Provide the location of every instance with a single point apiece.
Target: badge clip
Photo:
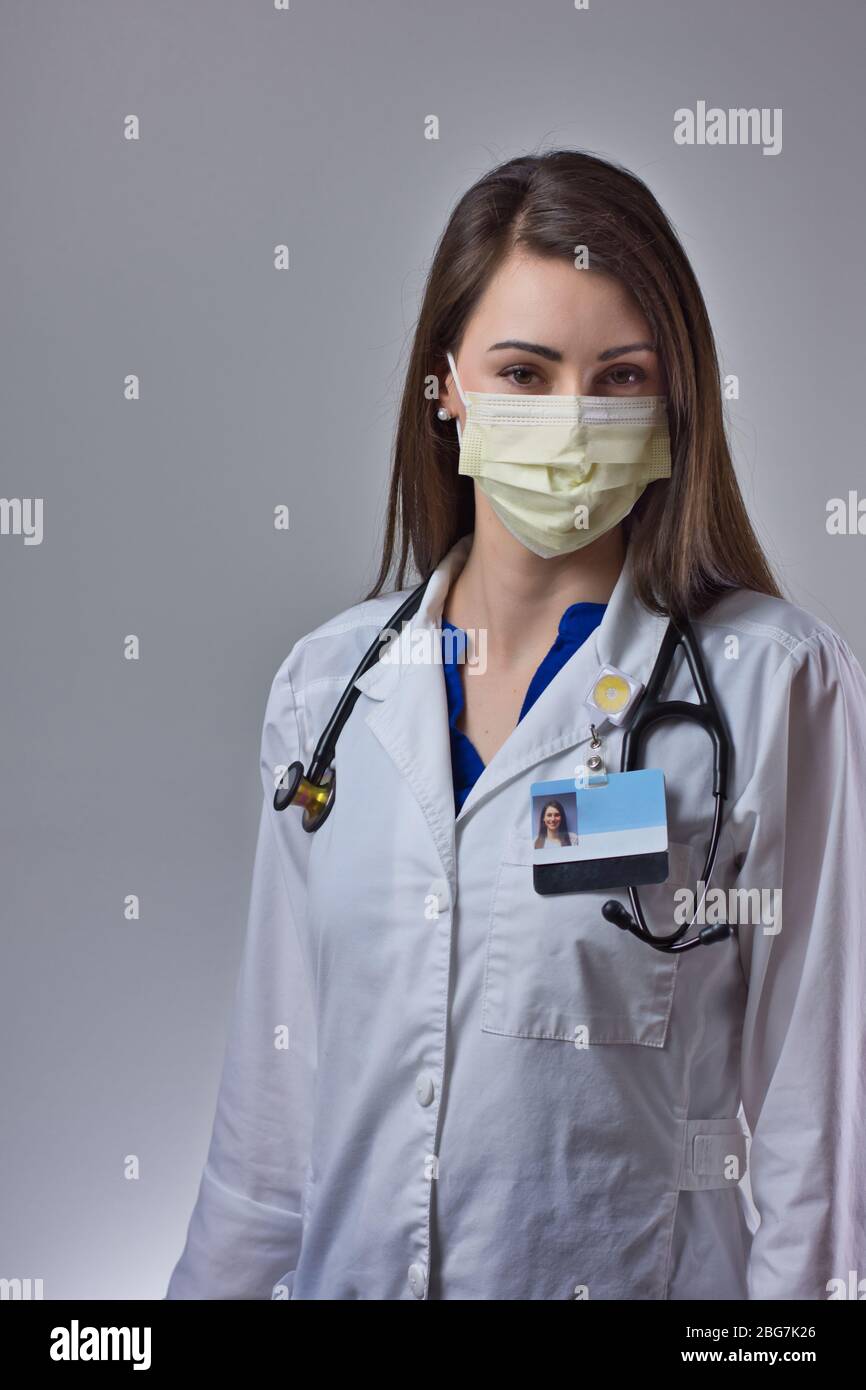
(593, 772)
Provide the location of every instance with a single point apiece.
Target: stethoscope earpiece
(614, 912)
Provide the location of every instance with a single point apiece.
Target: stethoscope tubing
(650, 711)
(326, 746)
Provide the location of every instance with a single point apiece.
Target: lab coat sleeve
(803, 1047)
(245, 1231)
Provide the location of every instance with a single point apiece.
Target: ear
(448, 394)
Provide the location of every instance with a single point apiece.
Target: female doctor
(439, 1082)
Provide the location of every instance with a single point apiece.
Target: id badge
(585, 838)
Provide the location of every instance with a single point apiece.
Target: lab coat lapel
(410, 714)
(628, 637)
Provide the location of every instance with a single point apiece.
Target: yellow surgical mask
(560, 471)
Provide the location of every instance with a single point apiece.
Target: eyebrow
(553, 355)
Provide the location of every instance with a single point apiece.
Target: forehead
(547, 300)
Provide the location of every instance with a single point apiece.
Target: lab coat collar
(380, 681)
(410, 718)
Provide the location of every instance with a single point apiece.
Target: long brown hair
(689, 535)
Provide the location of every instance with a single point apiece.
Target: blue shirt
(575, 625)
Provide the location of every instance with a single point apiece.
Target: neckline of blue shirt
(576, 624)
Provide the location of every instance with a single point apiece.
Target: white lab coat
(432, 1130)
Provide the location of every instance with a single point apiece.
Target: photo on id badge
(614, 833)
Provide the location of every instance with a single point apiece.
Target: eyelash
(620, 367)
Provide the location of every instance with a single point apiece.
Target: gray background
(261, 387)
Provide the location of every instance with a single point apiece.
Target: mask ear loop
(453, 365)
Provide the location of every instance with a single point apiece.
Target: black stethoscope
(316, 789)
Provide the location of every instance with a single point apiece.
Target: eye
(625, 374)
(513, 373)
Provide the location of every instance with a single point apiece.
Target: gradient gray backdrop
(258, 387)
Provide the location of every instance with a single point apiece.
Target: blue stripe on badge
(629, 801)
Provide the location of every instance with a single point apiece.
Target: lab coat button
(436, 899)
(416, 1280)
(424, 1088)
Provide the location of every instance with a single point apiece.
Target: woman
(553, 827)
(439, 1082)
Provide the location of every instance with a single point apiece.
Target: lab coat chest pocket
(555, 968)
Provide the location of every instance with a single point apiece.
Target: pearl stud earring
(443, 414)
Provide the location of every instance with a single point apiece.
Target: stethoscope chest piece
(316, 798)
(315, 789)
